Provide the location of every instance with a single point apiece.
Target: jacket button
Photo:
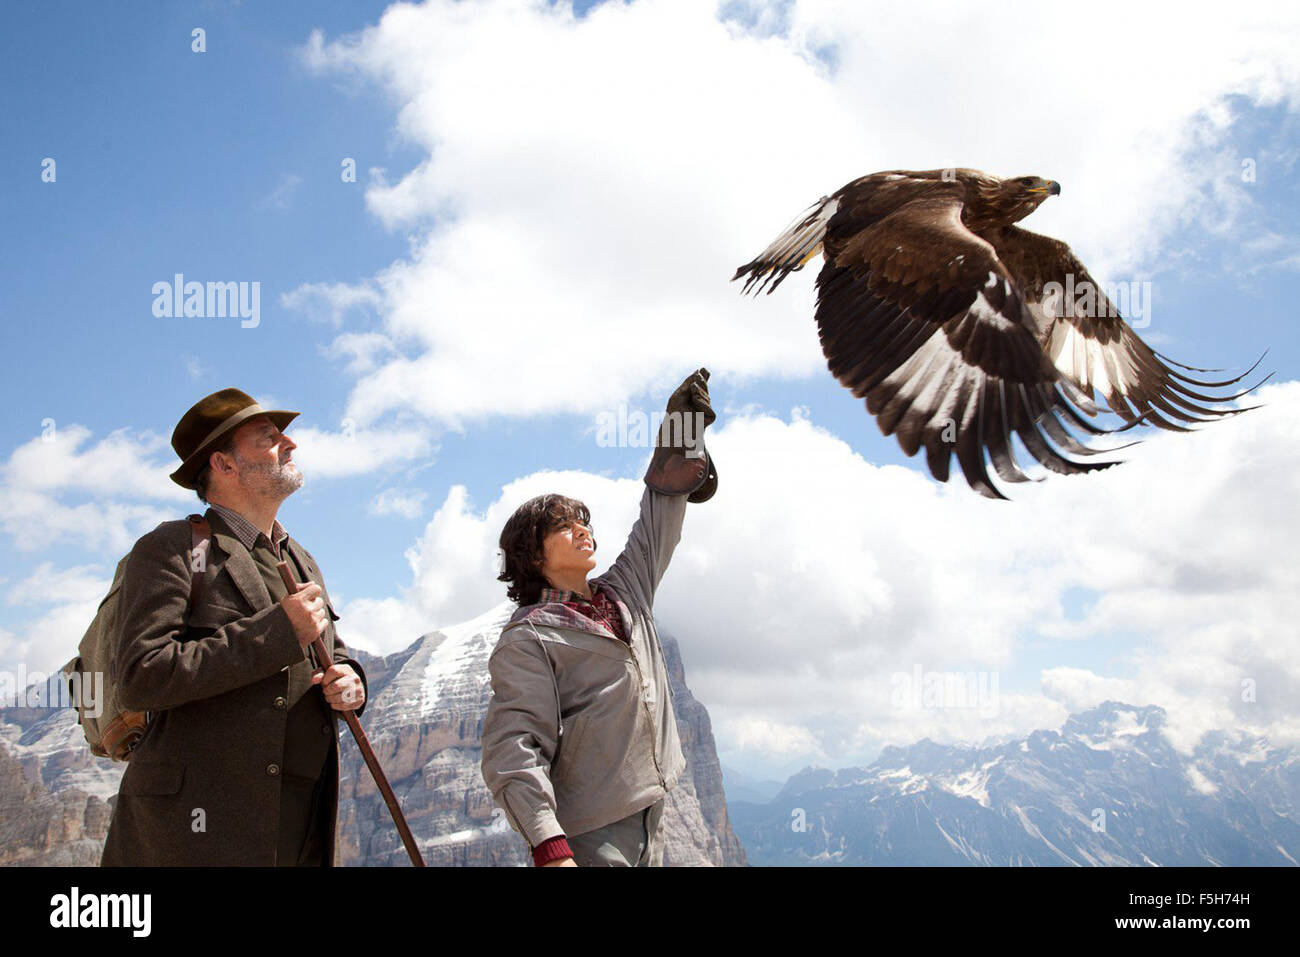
(279, 704)
(324, 729)
(273, 769)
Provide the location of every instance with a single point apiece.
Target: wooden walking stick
(363, 743)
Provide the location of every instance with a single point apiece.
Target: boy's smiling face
(567, 551)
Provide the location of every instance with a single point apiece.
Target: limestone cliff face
(425, 721)
(698, 828)
(54, 794)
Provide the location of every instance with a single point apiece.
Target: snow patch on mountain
(461, 649)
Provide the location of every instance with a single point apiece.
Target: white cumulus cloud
(598, 179)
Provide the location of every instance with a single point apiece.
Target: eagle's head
(1024, 194)
(1001, 202)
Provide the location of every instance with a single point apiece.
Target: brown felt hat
(210, 420)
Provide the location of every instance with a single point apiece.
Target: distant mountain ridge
(742, 787)
(1107, 789)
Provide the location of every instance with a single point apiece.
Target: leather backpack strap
(200, 540)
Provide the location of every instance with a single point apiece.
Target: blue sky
(225, 165)
(167, 162)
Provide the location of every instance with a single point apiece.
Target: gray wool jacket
(580, 731)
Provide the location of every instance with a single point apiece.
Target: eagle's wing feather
(797, 244)
(1100, 351)
(917, 315)
(874, 195)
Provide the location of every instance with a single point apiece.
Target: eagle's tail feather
(800, 242)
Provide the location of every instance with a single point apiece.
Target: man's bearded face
(279, 478)
(264, 456)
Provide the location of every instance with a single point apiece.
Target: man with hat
(238, 764)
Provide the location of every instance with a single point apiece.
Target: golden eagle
(960, 329)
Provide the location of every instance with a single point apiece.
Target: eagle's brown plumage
(931, 305)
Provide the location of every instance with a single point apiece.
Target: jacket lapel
(243, 572)
(301, 563)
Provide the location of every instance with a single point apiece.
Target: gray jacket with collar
(580, 730)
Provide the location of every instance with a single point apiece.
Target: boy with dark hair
(580, 743)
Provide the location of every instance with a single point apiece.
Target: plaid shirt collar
(247, 532)
(601, 607)
(561, 595)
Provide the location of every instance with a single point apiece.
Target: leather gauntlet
(681, 465)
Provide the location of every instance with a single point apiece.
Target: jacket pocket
(153, 777)
(570, 742)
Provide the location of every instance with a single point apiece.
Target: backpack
(110, 731)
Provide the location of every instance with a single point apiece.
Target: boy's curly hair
(521, 543)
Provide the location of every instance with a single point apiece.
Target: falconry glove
(681, 465)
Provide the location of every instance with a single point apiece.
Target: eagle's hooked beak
(1050, 186)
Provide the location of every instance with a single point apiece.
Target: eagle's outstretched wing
(952, 331)
(1091, 345)
(918, 316)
